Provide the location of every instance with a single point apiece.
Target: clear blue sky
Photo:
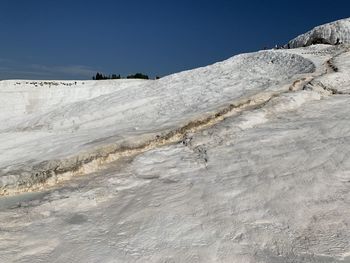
(61, 39)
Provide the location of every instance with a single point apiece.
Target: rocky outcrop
(334, 33)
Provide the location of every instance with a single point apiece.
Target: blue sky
(48, 39)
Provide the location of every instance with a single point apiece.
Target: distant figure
(338, 42)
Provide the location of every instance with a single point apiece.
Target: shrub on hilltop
(137, 76)
(100, 76)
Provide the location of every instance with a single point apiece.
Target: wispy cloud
(72, 70)
(13, 70)
(6, 60)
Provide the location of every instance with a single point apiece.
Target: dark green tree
(138, 76)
